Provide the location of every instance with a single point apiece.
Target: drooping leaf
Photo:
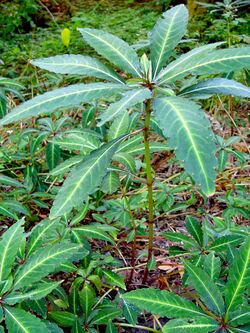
(78, 64)
(87, 299)
(39, 291)
(207, 289)
(61, 98)
(130, 312)
(44, 261)
(84, 179)
(238, 278)
(8, 181)
(217, 86)
(9, 246)
(53, 153)
(162, 303)
(20, 321)
(129, 99)
(194, 228)
(215, 61)
(166, 34)
(240, 316)
(114, 49)
(197, 325)
(189, 134)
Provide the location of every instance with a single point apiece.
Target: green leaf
(111, 182)
(62, 98)
(130, 312)
(44, 261)
(120, 126)
(179, 237)
(129, 99)
(207, 289)
(43, 231)
(212, 265)
(196, 325)
(39, 291)
(163, 303)
(92, 231)
(63, 318)
(243, 329)
(190, 135)
(6, 211)
(104, 315)
(20, 321)
(53, 153)
(77, 328)
(84, 179)
(3, 106)
(217, 86)
(9, 246)
(77, 141)
(114, 49)
(238, 278)
(114, 279)
(5, 180)
(78, 64)
(127, 160)
(194, 228)
(63, 167)
(215, 61)
(111, 328)
(87, 299)
(240, 316)
(166, 34)
(222, 243)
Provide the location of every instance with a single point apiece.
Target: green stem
(149, 186)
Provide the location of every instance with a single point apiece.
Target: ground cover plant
(85, 165)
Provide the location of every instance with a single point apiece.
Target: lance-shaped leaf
(187, 241)
(63, 167)
(44, 261)
(197, 325)
(84, 179)
(20, 321)
(194, 228)
(240, 316)
(77, 141)
(162, 303)
(238, 278)
(216, 61)
(41, 290)
(189, 134)
(53, 154)
(9, 246)
(130, 99)
(62, 98)
(111, 182)
(78, 64)
(207, 289)
(166, 34)
(114, 49)
(5, 180)
(41, 233)
(120, 126)
(114, 279)
(87, 299)
(217, 86)
(224, 242)
(212, 265)
(91, 231)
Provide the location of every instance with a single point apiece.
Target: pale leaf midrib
(200, 65)
(18, 323)
(216, 86)
(42, 261)
(116, 50)
(97, 69)
(165, 41)
(191, 140)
